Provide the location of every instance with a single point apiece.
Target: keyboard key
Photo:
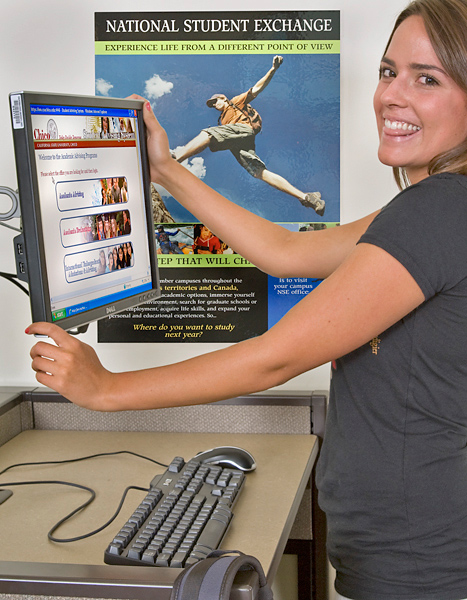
(115, 548)
(178, 560)
(163, 559)
(212, 534)
(149, 556)
(176, 465)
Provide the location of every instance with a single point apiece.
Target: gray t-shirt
(392, 475)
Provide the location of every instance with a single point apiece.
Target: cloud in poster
(103, 87)
(194, 165)
(156, 87)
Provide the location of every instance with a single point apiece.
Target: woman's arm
(270, 247)
(351, 307)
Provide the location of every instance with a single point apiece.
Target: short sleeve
(425, 229)
(243, 99)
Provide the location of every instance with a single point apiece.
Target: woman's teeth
(403, 126)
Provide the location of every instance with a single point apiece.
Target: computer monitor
(88, 229)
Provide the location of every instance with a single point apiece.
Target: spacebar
(211, 535)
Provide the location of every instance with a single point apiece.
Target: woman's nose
(395, 93)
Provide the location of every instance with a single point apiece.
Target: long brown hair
(446, 25)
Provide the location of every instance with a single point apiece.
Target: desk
(264, 513)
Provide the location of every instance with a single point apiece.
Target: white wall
(49, 46)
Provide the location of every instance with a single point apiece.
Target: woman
(107, 232)
(105, 128)
(100, 227)
(113, 226)
(115, 255)
(390, 314)
(206, 242)
(102, 265)
(110, 265)
(121, 264)
(130, 253)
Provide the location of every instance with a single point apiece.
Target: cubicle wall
(291, 413)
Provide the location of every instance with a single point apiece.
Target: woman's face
(420, 111)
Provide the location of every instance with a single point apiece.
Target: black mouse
(228, 456)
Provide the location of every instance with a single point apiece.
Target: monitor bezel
(34, 251)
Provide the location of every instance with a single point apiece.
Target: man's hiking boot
(313, 200)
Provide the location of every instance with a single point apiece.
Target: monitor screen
(86, 205)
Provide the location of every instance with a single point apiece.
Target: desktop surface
(263, 517)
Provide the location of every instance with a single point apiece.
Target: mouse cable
(73, 460)
(92, 497)
(90, 490)
(52, 538)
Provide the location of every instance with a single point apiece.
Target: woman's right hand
(70, 367)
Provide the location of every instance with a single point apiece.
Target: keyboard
(183, 517)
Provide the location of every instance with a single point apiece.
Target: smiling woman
(414, 90)
(390, 314)
(429, 75)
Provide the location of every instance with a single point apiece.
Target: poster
(182, 62)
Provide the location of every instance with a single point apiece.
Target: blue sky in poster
(299, 108)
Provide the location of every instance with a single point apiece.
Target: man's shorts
(240, 140)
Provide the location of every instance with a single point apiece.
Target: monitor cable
(14, 211)
(14, 279)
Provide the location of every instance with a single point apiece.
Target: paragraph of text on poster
(217, 305)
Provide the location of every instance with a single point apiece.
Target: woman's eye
(428, 80)
(385, 72)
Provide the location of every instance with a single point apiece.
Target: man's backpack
(253, 116)
(212, 577)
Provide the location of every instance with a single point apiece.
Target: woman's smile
(399, 127)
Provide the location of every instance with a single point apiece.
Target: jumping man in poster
(238, 125)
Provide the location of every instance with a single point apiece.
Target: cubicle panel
(271, 412)
(212, 418)
(15, 415)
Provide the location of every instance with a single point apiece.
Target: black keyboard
(181, 520)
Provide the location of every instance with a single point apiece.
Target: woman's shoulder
(436, 203)
(437, 195)
(423, 227)
(441, 182)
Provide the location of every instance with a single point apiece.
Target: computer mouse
(228, 456)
